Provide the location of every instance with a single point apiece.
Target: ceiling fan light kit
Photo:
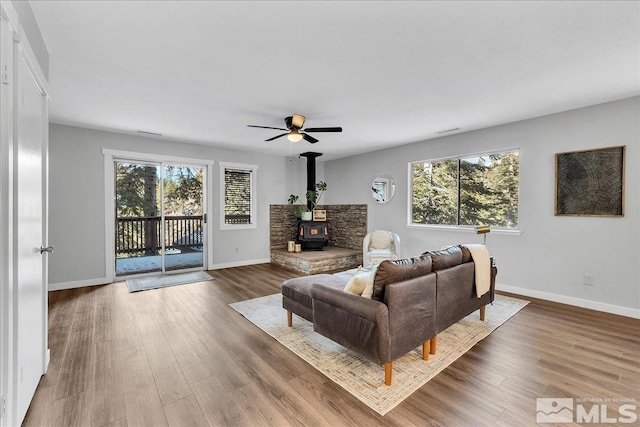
(294, 124)
(294, 136)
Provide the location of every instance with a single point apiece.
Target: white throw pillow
(380, 240)
(361, 284)
(356, 284)
(368, 290)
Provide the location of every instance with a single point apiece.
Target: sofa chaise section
(386, 329)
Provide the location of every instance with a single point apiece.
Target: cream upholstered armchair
(378, 246)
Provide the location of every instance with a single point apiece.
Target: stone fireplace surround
(347, 227)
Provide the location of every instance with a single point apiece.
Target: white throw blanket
(480, 256)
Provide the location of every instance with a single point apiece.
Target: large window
(469, 191)
(238, 198)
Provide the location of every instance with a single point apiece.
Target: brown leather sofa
(413, 300)
(400, 316)
(456, 291)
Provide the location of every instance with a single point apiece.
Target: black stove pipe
(311, 171)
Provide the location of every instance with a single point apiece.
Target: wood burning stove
(313, 235)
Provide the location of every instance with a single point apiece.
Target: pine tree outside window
(238, 196)
(466, 191)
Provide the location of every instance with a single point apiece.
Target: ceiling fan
(294, 127)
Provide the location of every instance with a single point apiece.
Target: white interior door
(29, 313)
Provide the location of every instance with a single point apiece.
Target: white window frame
(254, 196)
(447, 227)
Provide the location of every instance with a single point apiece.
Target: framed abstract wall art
(590, 182)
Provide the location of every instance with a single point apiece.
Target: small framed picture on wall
(319, 215)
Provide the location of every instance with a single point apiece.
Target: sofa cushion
(397, 271)
(445, 258)
(466, 254)
(298, 289)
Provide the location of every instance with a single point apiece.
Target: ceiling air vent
(447, 131)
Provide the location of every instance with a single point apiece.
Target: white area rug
(154, 282)
(356, 374)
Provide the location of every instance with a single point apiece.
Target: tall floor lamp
(483, 229)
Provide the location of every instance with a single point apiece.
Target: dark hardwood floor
(181, 356)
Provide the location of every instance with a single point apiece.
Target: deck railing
(140, 236)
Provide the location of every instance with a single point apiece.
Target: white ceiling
(389, 73)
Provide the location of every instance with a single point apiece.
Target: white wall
(77, 200)
(550, 256)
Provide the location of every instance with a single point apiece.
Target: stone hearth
(347, 227)
(313, 262)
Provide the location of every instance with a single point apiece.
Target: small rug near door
(154, 282)
(359, 376)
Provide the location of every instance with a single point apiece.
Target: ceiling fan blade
(309, 138)
(264, 127)
(275, 137)
(333, 129)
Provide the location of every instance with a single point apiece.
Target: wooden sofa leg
(482, 312)
(388, 370)
(434, 344)
(426, 348)
(289, 318)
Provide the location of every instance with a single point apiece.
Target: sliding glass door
(159, 217)
(183, 217)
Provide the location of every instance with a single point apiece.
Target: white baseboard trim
(104, 280)
(239, 263)
(578, 302)
(78, 284)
